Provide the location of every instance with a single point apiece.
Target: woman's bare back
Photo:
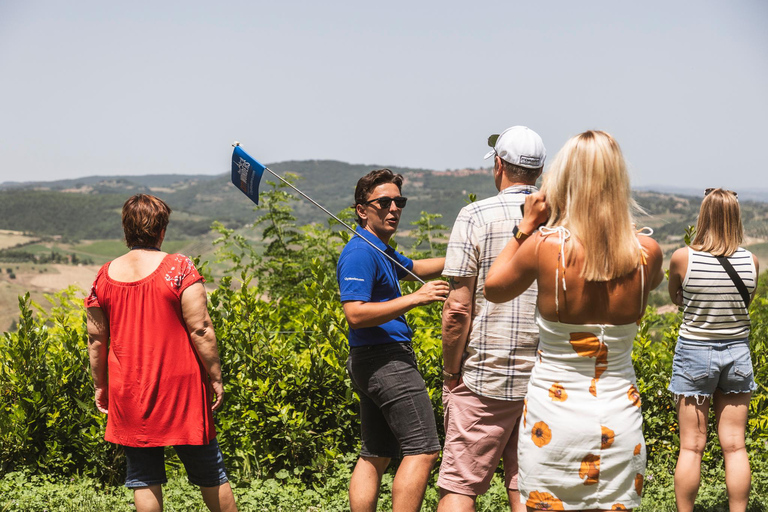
(616, 302)
(135, 265)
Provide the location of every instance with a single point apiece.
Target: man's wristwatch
(519, 235)
(450, 376)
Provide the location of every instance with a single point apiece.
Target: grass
(35, 493)
(111, 249)
(107, 248)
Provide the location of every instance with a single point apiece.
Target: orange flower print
(639, 484)
(587, 344)
(618, 506)
(525, 412)
(634, 396)
(557, 393)
(637, 449)
(543, 501)
(607, 437)
(590, 469)
(541, 434)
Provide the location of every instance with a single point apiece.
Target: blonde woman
(712, 362)
(581, 444)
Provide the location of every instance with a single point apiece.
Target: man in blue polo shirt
(395, 411)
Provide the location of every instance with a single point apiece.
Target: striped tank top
(712, 306)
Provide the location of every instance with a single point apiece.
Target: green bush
(48, 421)
(289, 424)
(652, 357)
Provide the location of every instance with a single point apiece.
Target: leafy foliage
(289, 429)
(430, 233)
(652, 358)
(48, 422)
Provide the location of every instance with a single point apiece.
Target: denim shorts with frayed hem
(204, 465)
(701, 367)
(395, 411)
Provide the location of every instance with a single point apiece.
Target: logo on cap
(530, 160)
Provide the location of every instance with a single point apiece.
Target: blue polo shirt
(366, 275)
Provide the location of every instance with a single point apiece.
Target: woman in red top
(154, 361)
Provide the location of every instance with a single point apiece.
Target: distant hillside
(750, 194)
(89, 208)
(148, 180)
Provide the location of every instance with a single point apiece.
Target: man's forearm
(456, 322)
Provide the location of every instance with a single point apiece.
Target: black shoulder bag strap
(735, 278)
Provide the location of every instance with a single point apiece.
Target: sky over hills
(104, 88)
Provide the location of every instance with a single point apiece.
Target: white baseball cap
(518, 145)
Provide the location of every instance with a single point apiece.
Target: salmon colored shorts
(479, 432)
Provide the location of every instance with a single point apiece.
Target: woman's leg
(145, 474)
(219, 498)
(692, 415)
(148, 499)
(731, 415)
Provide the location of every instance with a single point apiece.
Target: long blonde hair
(588, 192)
(718, 229)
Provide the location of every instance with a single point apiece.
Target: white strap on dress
(563, 235)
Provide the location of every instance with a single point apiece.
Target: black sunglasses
(710, 190)
(386, 202)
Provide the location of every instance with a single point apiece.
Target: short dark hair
(516, 171)
(144, 219)
(370, 181)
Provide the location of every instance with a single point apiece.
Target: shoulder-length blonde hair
(719, 230)
(587, 190)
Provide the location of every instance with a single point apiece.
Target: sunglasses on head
(386, 202)
(710, 190)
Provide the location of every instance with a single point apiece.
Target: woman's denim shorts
(204, 465)
(701, 367)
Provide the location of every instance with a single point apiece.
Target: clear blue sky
(144, 87)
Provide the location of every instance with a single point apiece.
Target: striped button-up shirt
(501, 347)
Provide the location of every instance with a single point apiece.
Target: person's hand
(536, 212)
(102, 400)
(432, 291)
(450, 384)
(218, 389)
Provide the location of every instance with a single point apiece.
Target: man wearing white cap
(488, 349)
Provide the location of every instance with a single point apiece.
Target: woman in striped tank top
(712, 362)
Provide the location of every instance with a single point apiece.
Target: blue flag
(246, 173)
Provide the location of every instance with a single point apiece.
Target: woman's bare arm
(194, 308)
(98, 341)
(516, 267)
(677, 268)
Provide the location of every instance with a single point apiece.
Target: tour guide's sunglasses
(386, 202)
(710, 190)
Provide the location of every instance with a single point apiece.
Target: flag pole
(352, 230)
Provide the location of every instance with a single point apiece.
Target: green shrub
(289, 423)
(48, 421)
